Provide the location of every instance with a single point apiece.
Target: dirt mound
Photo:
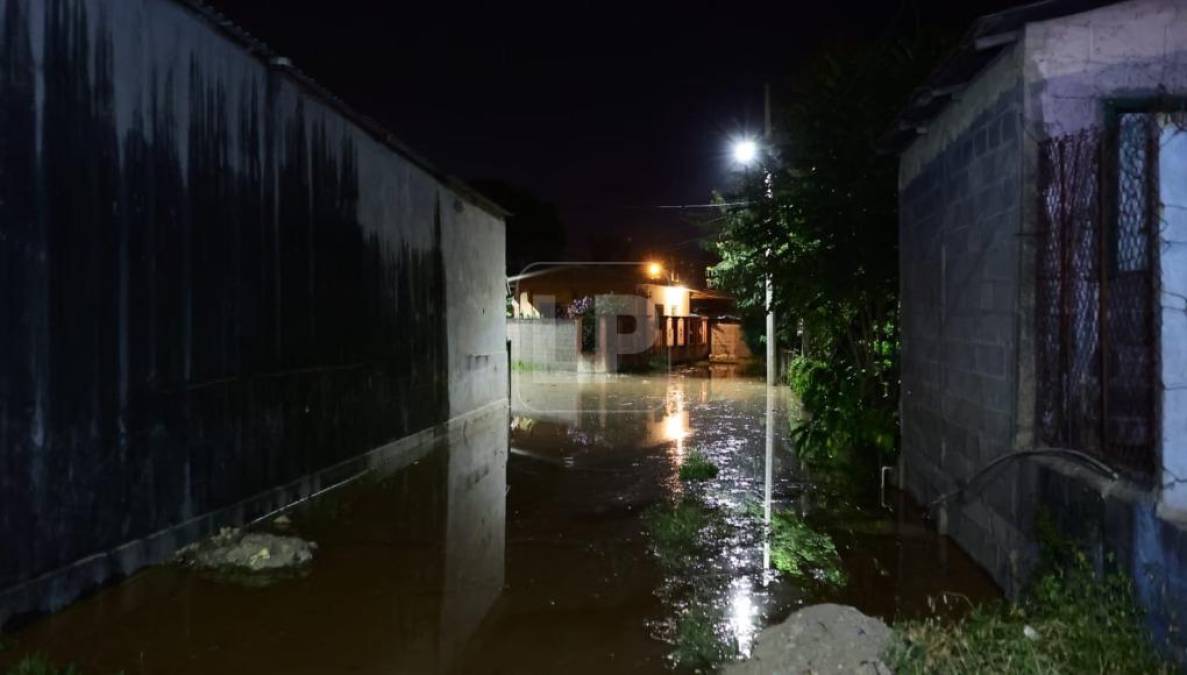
(820, 639)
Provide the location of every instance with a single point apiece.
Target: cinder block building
(1043, 244)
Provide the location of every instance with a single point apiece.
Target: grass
(39, 665)
(800, 551)
(675, 529)
(797, 549)
(699, 645)
(697, 466)
(1070, 621)
(523, 367)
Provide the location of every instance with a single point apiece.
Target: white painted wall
(473, 244)
(1172, 167)
(1074, 63)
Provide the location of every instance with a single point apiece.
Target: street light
(745, 151)
(654, 270)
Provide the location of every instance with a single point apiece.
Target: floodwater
(535, 550)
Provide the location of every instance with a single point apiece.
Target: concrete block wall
(969, 211)
(959, 223)
(1134, 52)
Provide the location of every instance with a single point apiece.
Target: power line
(701, 206)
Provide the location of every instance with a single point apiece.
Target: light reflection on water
(468, 559)
(743, 617)
(743, 427)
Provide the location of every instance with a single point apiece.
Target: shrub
(841, 412)
(800, 551)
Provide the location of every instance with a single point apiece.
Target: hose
(1062, 452)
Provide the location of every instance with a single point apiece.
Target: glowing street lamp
(654, 270)
(745, 151)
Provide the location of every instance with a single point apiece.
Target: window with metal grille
(1095, 296)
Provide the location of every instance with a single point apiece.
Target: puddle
(575, 548)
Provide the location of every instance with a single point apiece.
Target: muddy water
(536, 551)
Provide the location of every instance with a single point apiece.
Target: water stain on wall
(190, 312)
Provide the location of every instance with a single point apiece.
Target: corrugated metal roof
(270, 59)
(987, 36)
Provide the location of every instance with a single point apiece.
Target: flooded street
(570, 544)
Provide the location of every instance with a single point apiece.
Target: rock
(283, 522)
(820, 639)
(232, 550)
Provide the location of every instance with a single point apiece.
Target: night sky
(606, 110)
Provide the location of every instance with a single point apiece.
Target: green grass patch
(39, 665)
(697, 466)
(675, 529)
(523, 367)
(1070, 621)
(699, 644)
(800, 551)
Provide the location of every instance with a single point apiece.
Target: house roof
(710, 294)
(271, 59)
(987, 36)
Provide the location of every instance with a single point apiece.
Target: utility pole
(772, 353)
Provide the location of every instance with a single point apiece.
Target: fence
(1095, 296)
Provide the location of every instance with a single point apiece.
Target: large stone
(820, 639)
(231, 549)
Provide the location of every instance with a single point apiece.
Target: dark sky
(606, 110)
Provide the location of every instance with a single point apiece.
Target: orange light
(654, 270)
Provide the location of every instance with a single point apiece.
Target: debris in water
(231, 550)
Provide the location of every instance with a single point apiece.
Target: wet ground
(556, 547)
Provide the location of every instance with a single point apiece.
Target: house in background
(1043, 244)
(727, 340)
(541, 292)
(632, 314)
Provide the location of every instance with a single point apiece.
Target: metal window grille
(1095, 319)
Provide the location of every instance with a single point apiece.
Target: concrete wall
(727, 342)
(1172, 258)
(960, 410)
(1134, 51)
(1074, 64)
(543, 344)
(1075, 67)
(674, 299)
(960, 215)
(218, 290)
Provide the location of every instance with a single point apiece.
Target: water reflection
(838, 541)
(744, 615)
(410, 564)
(470, 559)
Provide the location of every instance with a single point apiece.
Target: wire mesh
(1094, 296)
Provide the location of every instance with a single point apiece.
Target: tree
(827, 233)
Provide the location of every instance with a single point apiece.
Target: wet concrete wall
(213, 282)
(960, 213)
